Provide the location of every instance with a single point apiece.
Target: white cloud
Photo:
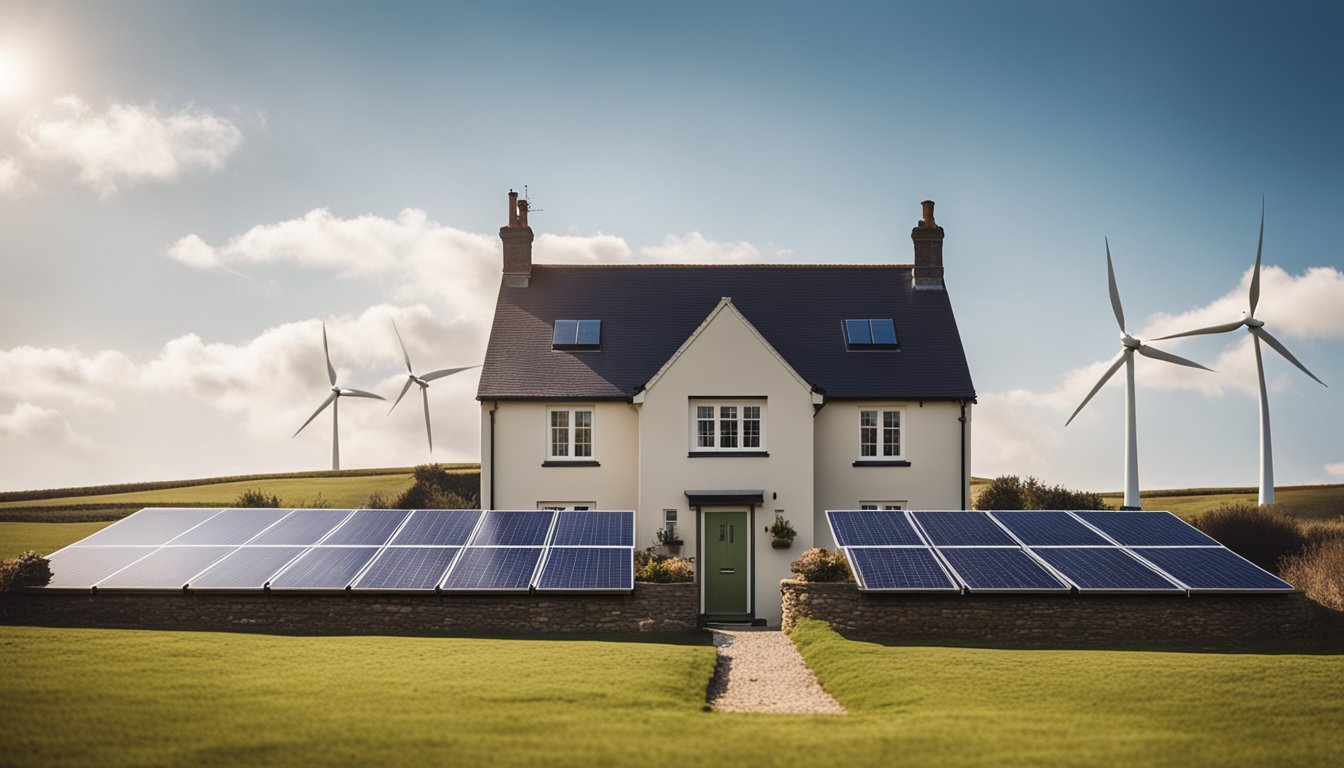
(1335, 470)
(13, 182)
(695, 248)
(579, 249)
(30, 372)
(127, 144)
(34, 426)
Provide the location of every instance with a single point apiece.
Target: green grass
(1310, 502)
(42, 538)
(340, 492)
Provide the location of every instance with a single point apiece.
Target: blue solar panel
(368, 527)
(999, 569)
(493, 568)
(899, 568)
(1047, 529)
(514, 529)
(325, 568)
(166, 568)
(246, 568)
(438, 527)
(302, 527)
(232, 526)
(150, 527)
(594, 529)
(872, 528)
(588, 568)
(1206, 568)
(82, 567)
(962, 529)
(408, 568)
(1147, 529)
(1104, 569)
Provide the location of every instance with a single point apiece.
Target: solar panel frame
(302, 528)
(367, 528)
(83, 567)
(472, 572)
(861, 558)
(166, 568)
(962, 529)
(862, 528)
(1145, 529)
(407, 569)
(1078, 565)
(961, 562)
(615, 569)
(264, 561)
(594, 528)
(235, 526)
(438, 528)
(1169, 560)
(149, 527)
(514, 528)
(1049, 528)
(324, 569)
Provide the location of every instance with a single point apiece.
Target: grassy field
(1310, 502)
(340, 492)
(42, 538)
(122, 697)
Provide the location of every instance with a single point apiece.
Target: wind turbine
(1258, 334)
(1129, 345)
(423, 381)
(334, 401)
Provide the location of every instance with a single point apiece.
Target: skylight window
(871, 333)
(577, 334)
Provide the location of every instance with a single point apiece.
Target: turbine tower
(1129, 345)
(334, 401)
(1258, 334)
(423, 381)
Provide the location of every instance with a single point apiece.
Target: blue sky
(187, 190)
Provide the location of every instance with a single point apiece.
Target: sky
(189, 190)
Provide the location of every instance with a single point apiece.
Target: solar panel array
(1049, 551)
(359, 550)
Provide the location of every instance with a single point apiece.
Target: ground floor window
(566, 506)
(887, 505)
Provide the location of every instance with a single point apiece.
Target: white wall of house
(930, 440)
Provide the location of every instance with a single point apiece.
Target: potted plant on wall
(669, 542)
(783, 534)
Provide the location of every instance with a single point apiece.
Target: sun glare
(13, 74)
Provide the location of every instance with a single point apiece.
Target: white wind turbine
(1129, 345)
(1258, 334)
(334, 401)
(423, 381)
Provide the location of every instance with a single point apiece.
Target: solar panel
(1049, 529)
(1213, 569)
(150, 527)
(999, 569)
(82, 567)
(408, 568)
(1148, 529)
(302, 527)
(165, 568)
(526, 528)
(367, 527)
(232, 526)
(246, 568)
(899, 569)
(962, 529)
(872, 528)
(493, 568)
(1104, 569)
(594, 529)
(324, 568)
(438, 527)
(588, 569)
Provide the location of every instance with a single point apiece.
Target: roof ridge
(723, 266)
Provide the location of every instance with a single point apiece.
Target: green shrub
(27, 570)
(255, 497)
(1012, 492)
(438, 487)
(1319, 571)
(1263, 535)
(818, 564)
(379, 500)
(663, 569)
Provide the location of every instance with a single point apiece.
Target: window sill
(728, 454)
(563, 463)
(881, 463)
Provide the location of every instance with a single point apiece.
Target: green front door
(726, 564)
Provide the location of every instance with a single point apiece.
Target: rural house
(713, 400)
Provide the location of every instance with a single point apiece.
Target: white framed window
(885, 505)
(569, 433)
(727, 426)
(566, 506)
(880, 437)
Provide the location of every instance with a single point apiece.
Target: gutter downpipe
(494, 407)
(963, 481)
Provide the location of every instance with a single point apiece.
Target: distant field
(42, 538)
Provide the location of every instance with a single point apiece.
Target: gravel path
(761, 671)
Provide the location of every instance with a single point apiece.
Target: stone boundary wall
(651, 608)
(1047, 619)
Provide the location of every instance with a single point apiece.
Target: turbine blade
(404, 353)
(1255, 278)
(320, 409)
(331, 372)
(1105, 377)
(409, 382)
(1282, 350)
(446, 372)
(1115, 292)
(360, 393)
(429, 433)
(1167, 357)
(1224, 328)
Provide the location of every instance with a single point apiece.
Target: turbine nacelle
(1129, 342)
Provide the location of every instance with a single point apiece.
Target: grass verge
(42, 538)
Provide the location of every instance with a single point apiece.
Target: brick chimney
(928, 237)
(517, 237)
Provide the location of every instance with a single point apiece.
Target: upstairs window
(577, 334)
(879, 435)
(727, 426)
(570, 434)
(871, 333)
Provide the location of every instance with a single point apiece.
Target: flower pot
(782, 543)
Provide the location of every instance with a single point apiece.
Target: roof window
(871, 333)
(577, 334)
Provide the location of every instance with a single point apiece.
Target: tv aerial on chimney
(530, 209)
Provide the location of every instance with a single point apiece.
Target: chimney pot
(513, 208)
(928, 221)
(928, 239)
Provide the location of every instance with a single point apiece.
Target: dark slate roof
(648, 312)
